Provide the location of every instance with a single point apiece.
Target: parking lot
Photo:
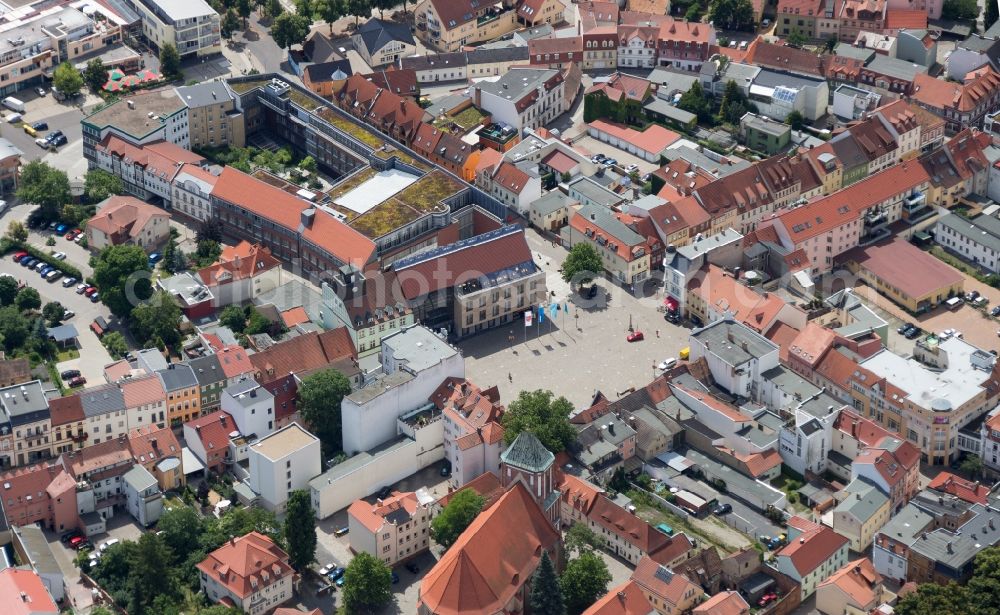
(93, 355)
(580, 353)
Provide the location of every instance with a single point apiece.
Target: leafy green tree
(45, 186)
(234, 317)
(330, 11)
(733, 14)
(300, 529)
(546, 592)
(973, 466)
(991, 15)
(305, 7)
(320, 395)
(619, 481)
(582, 264)
(210, 230)
(830, 44)
(581, 538)
(28, 299)
(17, 232)
(461, 510)
(274, 8)
(960, 9)
(170, 61)
(115, 343)
(544, 416)
(170, 261)
(693, 12)
(308, 164)
(795, 120)
(8, 290)
(13, 328)
(983, 589)
(121, 274)
(934, 599)
(359, 9)
(796, 39)
(367, 584)
(151, 574)
(734, 104)
(258, 323)
(290, 29)
(230, 24)
(382, 6)
(694, 101)
(73, 215)
(159, 318)
(244, 8)
(585, 579)
(98, 185)
(67, 79)
(53, 312)
(95, 75)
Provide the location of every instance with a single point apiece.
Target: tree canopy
(45, 186)
(795, 119)
(960, 9)
(98, 185)
(67, 79)
(320, 395)
(17, 232)
(734, 104)
(8, 290)
(157, 321)
(95, 75)
(582, 264)
(579, 538)
(733, 14)
(546, 592)
(121, 274)
(461, 510)
(979, 596)
(170, 61)
(367, 584)
(694, 101)
(585, 579)
(543, 415)
(300, 529)
(290, 29)
(28, 299)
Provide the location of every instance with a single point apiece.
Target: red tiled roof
(715, 404)
(239, 262)
(654, 139)
(560, 161)
(800, 7)
(97, 457)
(814, 546)
(295, 316)
(909, 269)
(213, 430)
(65, 410)
(966, 149)
(160, 158)
(627, 526)
(234, 361)
(721, 291)
(399, 81)
(626, 599)
(489, 564)
(124, 216)
(578, 493)
(759, 463)
(284, 209)
(971, 492)
(23, 593)
(486, 484)
(783, 335)
(151, 444)
(962, 97)
(302, 354)
(511, 178)
(373, 516)
(723, 603)
(859, 582)
(884, 463)
(246, 563)
(786, 58)
(812, 343)
(864, 430)
(649, 575)
(463, 264)
(142, 391)
(554, 45)
(905, 19)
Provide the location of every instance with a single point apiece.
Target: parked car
(412, 567)
(59, 256)
(62, 228)
(340, 531)
(82, 288)
(722, 509)
(86, 545)
(336, 573)
(53, 275)
(59, 141)
(43, 143)
(325, 570)
(90, 291)
(339, 582)
(79, 381)
(65, 538)
(19, 255)
(395, 577)
(635, 336)
(155, 258)
(95, 298)
(68, 282)
(609, 162)
(632, 168)
(995, 311)
(44, 271)
(79, 237)
(70, 236)
(109, 543)
(74, 541)
(41, 125)
(68, 314)
(667, 364)
(767, 599)
(40, 91)
(54, 134)
(913, 332)
(53, 225)
(40, 265)
(29, 261)
(972, 295)
(904, 328)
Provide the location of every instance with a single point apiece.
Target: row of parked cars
(51, 274)
(607, 162)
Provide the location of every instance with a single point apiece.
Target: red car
(90, 290)
(635, 336)
(76, 540)
(70, 235)
(79, 381)
(767, 599)
(19, 255)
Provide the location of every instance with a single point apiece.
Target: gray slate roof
(551, 202)
(207, 370)
(377, 33)
(102, 400)
(204, 94)
(24, 403)
(139, 478)
(528, 453)
(605, 220)
(177, 376)
(983, 230)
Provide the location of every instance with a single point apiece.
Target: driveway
(750, 521)
(581, 353)
(593, 146)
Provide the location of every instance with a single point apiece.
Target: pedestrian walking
(510, 377)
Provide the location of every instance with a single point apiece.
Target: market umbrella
(112, 86)
(130, 81)
(115, 74)
(146, 75)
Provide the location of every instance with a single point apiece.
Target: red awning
(671, 303)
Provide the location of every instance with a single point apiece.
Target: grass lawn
(66, 355)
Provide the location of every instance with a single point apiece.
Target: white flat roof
(959, 383)
(375, 190)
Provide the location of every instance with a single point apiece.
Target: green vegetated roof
(242, 87)
(384, 218)
(426, 193)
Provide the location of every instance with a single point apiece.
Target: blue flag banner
(566, 307)
(541, 314)
(553, 310)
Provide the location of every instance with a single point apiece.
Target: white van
(14, 118)
(13, 104)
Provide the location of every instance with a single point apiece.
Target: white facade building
(523, 98)
(976, 240)
(251, 406)
(283, 462)
(736, 355)
(191, 192)
(394, 529)
(190, 25)
(142, 496)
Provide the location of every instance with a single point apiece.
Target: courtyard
(580, 353)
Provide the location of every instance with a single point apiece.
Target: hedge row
(66, 268)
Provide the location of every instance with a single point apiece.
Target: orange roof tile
(65, 410)
(720, 291)
(143, 391)
(723, 603)
(783, 335)
(578, 493)
(98, 456)
(23, 593)
(243, 564)
(488, 564)
(295, 316)
(124, 217)
(971, 492)
(658, 580)
(626, 599)
(910, 270)
(150, 444)
(654, 139)
(239, 262)
(373, 516)
(815, 545)
(859, 582)
(486, 484)
(962, 97)
(213, 430)
(715, 404)
(906, 19)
